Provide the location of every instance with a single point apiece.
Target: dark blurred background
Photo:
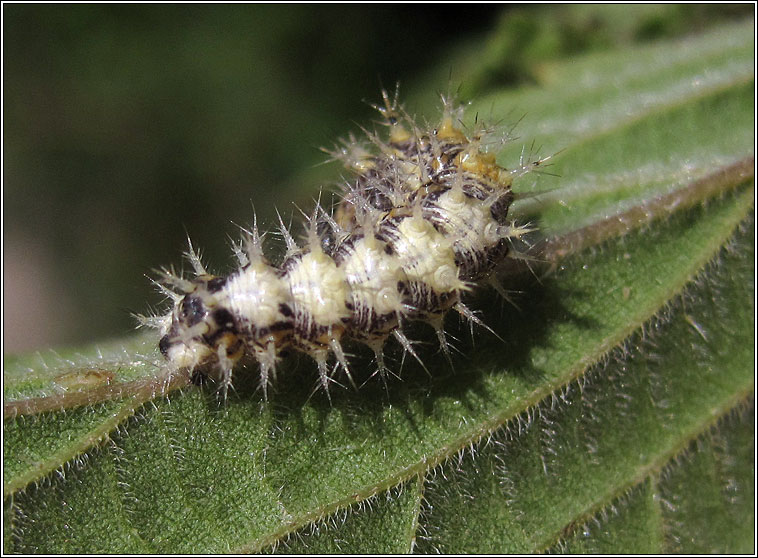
(127, 127)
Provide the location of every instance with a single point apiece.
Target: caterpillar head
(199, 328)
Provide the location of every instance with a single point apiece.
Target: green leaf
(625, 378)
(384, 525)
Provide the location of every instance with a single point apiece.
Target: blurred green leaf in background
(617, 415)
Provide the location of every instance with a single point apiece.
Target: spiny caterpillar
(422, 222)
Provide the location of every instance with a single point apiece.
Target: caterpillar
(421, 222)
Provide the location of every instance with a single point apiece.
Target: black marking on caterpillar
(423, 221)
